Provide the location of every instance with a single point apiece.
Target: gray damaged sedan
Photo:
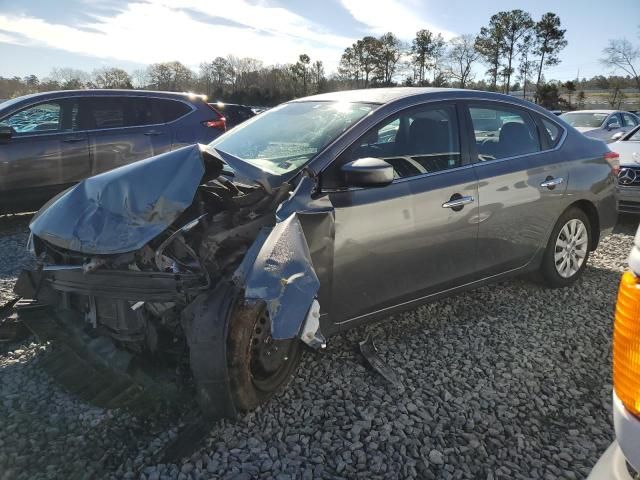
(208, 269)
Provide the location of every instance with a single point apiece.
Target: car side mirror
(613, 125)
(368, 172)
(6, 132)
(617, 136)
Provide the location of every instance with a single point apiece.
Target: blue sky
(38, 35)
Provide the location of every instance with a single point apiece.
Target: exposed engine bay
(141, 307)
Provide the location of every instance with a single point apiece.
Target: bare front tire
(568, 249)
(258, 364)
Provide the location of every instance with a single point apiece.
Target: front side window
(613, 122)
(419, 141)
(42, 118)
(502, 132)
(285, 138)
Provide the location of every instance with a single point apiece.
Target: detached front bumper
(628, 199)
(612, 465)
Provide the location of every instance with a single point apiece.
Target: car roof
(374, 95)
(595, 111)
(26, 99)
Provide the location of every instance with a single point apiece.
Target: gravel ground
(507, 381)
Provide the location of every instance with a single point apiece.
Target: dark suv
(49, 141)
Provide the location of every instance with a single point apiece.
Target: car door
(122, 130)
(46, 152)
(521, 180)
(414, 237)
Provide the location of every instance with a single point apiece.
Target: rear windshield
(285, 138)
(592, 120)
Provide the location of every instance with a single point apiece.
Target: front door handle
(152, 133)
(73, 139)
(457, 202)
(551, 182)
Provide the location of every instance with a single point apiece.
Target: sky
(38, 35)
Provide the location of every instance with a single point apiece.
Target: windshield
(589, 120)
(634, 136)
(283, 139)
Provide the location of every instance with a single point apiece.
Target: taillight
(626, 343)
(220, 124)
(614, 160)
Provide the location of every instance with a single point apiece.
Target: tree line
(514, 49)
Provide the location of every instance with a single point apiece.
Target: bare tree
(112, 78)
(462, 54)
(622, 55)
(140, 78)
(70, 78)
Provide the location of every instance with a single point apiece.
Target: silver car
(628, 147)
(213, 266)
(606, 125)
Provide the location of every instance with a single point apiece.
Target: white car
(623, 456)
(606, 125)
(628, 147)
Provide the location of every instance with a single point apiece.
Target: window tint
(420, 141)
(106, 112)
(628, 120)
(139, 112)
(45, 117)
(502, 132)
(171, 110)
(553, 131)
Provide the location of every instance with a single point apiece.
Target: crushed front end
(137, 281)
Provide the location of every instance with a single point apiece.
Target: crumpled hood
(123, 209)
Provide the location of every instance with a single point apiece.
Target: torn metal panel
(311, 334)
(123, 209)
(370, 354)
(283, 276)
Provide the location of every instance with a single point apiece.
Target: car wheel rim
(571, 248)
(269, 357)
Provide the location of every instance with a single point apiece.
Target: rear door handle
(152, 133)
(73, 140)
(551, 182)
(457, 202)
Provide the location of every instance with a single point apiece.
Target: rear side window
(554, 132)
(106, 112)
(170, 110)
(503, 132)
(628, 120)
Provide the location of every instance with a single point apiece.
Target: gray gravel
(508, 381)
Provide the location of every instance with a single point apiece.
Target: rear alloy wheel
(568, 250)
(258, 364)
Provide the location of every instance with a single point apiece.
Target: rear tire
(568, 249)
(258, 365)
